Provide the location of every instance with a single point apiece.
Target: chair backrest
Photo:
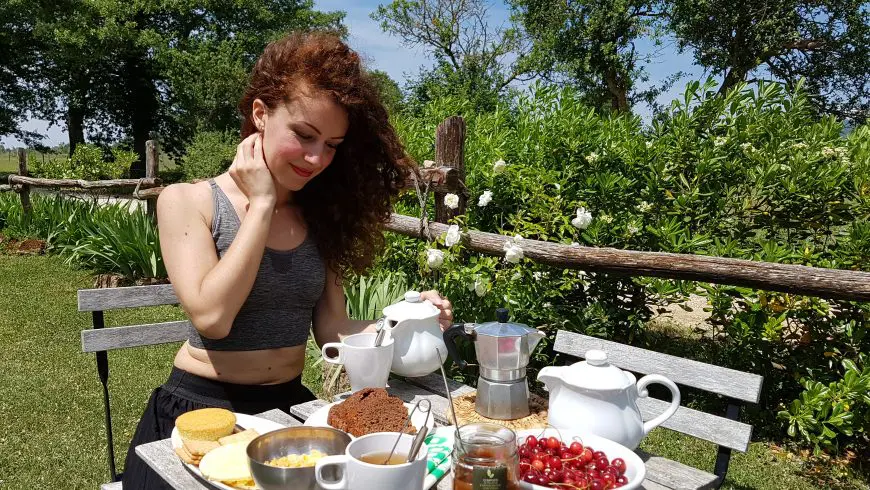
(745, 387)
(104, 339)
(99, 340)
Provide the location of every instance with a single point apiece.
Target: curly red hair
(346, 206)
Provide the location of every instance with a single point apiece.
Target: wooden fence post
(450, 152)
(25, 189)
(152, 165)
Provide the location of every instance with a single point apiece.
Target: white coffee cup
(367, 366)
(359, 475)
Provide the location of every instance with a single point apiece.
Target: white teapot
(413, 326)
(600, 398)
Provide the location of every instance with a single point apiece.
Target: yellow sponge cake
(207, 424)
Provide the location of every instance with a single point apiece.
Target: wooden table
(160, 456)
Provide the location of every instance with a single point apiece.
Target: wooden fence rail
(448, 175)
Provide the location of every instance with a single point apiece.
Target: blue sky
(384, 52)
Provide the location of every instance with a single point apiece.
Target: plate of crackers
(212, 443)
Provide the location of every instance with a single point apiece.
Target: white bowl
(635, 470)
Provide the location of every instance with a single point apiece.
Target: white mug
(359, 475)
(367, 366)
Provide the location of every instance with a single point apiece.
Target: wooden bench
(100, 339)
(726, 432)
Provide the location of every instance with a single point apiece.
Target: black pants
(184, 392)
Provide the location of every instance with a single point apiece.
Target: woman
(257, 254)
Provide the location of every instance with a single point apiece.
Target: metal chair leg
(103, 371)
(723, 457)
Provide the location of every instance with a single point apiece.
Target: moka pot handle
(456, 330)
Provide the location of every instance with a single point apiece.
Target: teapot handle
(675, 399)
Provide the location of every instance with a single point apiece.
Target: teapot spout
(533, 338)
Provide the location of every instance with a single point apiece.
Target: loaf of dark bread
(370, 410)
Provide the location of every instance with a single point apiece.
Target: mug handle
(340, 461)
(330, 345)
(675, 399)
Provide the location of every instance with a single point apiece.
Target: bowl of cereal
(285, 458)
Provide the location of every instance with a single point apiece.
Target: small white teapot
(600, 398)
(413, 325)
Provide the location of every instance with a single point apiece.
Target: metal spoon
(379, 328)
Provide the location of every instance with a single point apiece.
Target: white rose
(428, 163)
(499, 166)
(512, 249)
(452, 236)
(480, 287)
(484, 199)
(434, 258)
(451, 201)
(583, 219)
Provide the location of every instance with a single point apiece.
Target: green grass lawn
(51, 401)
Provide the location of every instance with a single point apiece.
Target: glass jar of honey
(485, 458)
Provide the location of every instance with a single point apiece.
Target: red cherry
(531, 478)
(576, 447)
(621, 480)
(601, 464)
(609, 479)
(531, 441)
(538, 464)
(556, 476)
(599, 454)
(524, 452)
(555, 463)
(587, 455)
(619, 464)
(592, 473)
(553, 443)
(597, 484)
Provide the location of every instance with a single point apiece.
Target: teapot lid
(414, 307)
(502, 327)
(596, 373)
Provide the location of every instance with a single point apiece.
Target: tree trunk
(141, 113)
(618, 92)
(75, 124)
(732, 78)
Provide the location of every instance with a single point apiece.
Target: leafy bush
(751, 175)
(209, 154)
(108, 238)
(88, 162)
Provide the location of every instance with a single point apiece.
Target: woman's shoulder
(183, 198)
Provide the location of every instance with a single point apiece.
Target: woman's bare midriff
(257, 367)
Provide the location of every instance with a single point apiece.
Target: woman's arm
(212, 291)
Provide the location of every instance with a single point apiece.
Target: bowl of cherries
(565, 459)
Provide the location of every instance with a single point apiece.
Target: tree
(391, 94)
(16, 59)
(825, 42)
(590, 44)
(138, 69)
(472, 58)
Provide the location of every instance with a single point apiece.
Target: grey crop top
(279, 309)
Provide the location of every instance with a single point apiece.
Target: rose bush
(752, 175)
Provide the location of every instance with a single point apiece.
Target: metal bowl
(293, 440)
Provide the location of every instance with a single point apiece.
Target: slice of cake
(370, 410)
